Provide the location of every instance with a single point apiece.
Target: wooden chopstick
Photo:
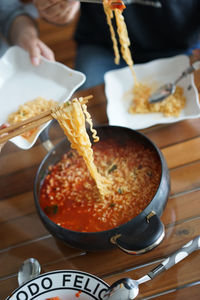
(30, 123)
(156, 4)
(23, 128)
(27, 121)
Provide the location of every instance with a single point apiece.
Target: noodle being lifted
(71, 117)
(115, 8)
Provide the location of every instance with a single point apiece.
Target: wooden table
(23, 235)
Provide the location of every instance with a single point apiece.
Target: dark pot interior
(140, 234)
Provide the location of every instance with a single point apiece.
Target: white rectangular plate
(119, 83)
(20, 82)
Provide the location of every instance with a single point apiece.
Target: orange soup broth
(71, 199)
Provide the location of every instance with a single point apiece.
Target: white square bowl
(119, 83)
(20, 82)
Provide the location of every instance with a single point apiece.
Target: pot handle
(44, 137)
(151, 236)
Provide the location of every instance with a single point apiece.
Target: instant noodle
(70, 198)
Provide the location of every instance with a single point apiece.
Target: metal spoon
(30, 269)
(169, 88)
(127, 288)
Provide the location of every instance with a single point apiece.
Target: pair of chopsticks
(28, 124)
(155, 3)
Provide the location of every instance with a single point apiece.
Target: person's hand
(57, 11)
(35, 47)
(195, 55)
(24, 33)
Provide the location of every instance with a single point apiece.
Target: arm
(19, 28)
(23, 32)
(58, 12)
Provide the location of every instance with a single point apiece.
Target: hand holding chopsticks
(28, 124)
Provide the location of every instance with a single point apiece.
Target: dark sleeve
(9, 10)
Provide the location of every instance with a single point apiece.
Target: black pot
(140, 234)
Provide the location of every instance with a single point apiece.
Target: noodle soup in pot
(68, 200)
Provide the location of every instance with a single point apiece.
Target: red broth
(71, 199)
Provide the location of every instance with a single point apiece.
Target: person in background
(18, 27)
(154, 32)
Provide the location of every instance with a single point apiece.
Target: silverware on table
(169, 88)
(128, 289)
(30, 269)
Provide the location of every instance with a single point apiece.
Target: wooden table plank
(183, 292)
(185, 178)
(182, 153)
(173, 134)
